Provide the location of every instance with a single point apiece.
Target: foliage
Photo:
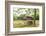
(20, 13)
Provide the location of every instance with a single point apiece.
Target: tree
(34, 16)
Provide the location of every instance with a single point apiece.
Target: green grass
(24, 23)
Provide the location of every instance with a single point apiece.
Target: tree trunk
(34, 17)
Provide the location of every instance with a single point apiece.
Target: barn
(27, 18)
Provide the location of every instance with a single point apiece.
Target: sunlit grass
(24, 23)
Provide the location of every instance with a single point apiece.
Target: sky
(22, 11)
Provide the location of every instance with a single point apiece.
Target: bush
(29, 22)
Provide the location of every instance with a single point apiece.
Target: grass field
(25, 23)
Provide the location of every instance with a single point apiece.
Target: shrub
(29, 22)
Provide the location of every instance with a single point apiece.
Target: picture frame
(18, 4)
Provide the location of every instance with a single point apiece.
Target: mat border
(7, 20)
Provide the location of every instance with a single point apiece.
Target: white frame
(25, 29)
